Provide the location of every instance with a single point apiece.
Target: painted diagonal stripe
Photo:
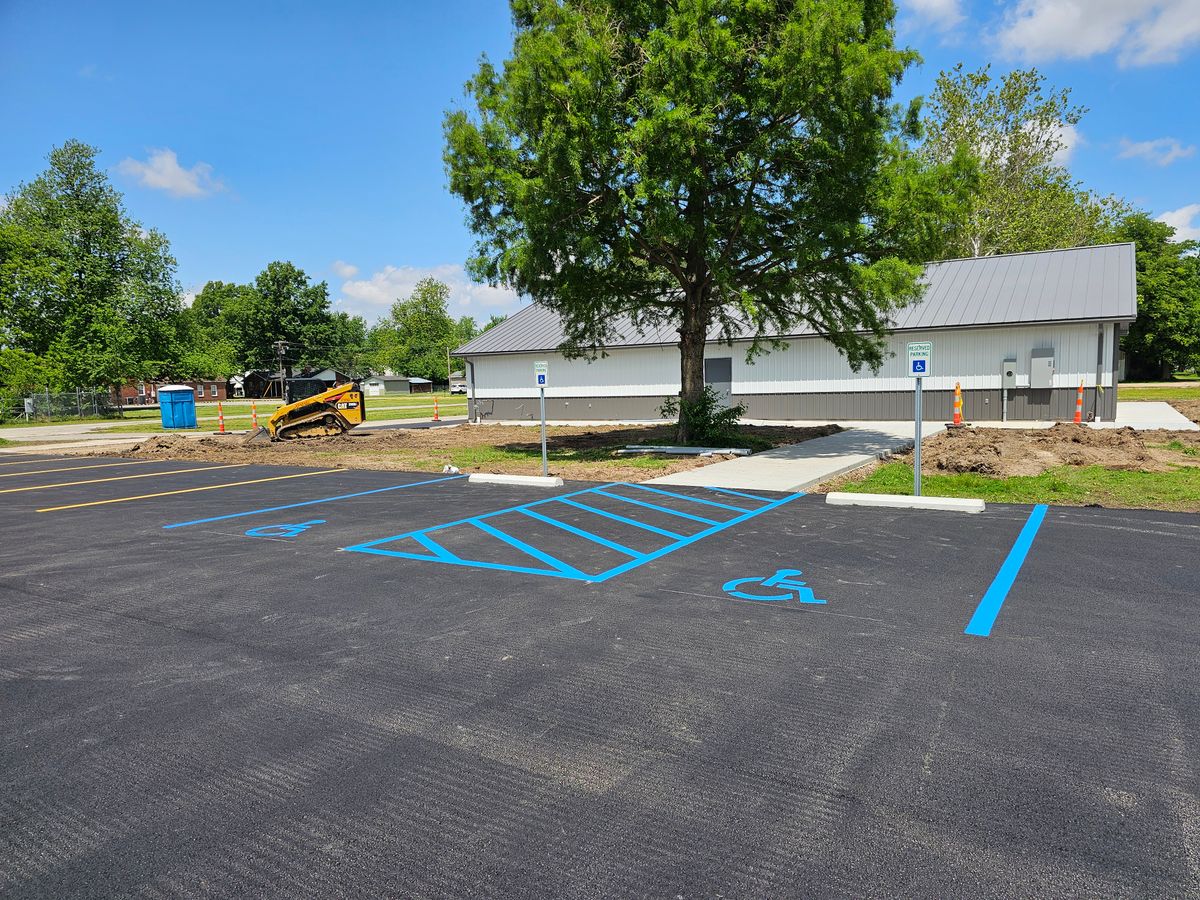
(139, 462)
(594, 538)
(646, 487)
(989, 607)
(210, 487)
(267, 509)
(46, 487)
(645, 526)
(741, 494)
(552, 561)
(662, 509)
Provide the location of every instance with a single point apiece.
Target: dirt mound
(1004, 452)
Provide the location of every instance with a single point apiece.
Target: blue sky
(308, 131)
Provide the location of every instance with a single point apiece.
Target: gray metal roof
(1075, 285)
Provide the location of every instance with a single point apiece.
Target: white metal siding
(811, 365)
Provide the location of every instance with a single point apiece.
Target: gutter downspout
(471, 411)
(1099, 372)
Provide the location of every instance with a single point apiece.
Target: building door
(718, 374)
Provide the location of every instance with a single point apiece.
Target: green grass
(4, 443)
(485, 455)
(1068, 485)
(1166, 392)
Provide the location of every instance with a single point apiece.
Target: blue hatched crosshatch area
(589, 535)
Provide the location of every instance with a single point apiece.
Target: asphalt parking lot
(267, 681)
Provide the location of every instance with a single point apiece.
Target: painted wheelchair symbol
(787, 588)
(283, 530)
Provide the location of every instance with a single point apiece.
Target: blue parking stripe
(742, 494)
(989, 607)
(662, 509)
(551, 561)
(671, 548)
(618, 518)
(465, 563)
(594, 538)
(267, 509)
(738, 509)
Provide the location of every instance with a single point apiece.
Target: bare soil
(1190, 408)
(584, 453)
(1003, 452)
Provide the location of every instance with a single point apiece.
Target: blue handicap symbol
(783, 581)
(283, 530)
(541, 379)
(918, 365)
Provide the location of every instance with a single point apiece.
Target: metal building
(1037, 324)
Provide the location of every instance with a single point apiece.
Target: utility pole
(280, 347)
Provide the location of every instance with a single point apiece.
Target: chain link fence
(45, 406)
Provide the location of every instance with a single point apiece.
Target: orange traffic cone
(436, 417)
(958, 419)
(220, 419)
(1079, 405)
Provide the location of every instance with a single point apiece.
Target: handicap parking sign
(920, 356)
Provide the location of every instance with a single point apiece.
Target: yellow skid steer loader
(313, 410)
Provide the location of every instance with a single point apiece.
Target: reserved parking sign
(920, 359)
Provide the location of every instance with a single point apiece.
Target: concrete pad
(1148, 415)
(900, 501)
(798, 467)
(529, 480)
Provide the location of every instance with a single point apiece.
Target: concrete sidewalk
(797, 467)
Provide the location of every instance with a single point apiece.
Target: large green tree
(718, 165)
(88, 296)
(1165, 337)
(1016, 128)
(416, 336)
(237, 325)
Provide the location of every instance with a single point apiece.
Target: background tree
(492, 322)
(236, 325)
(1025, 198)
(87, 295)
(1165, 337)
(414, 338)
(711, 164)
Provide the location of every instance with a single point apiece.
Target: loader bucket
(258, 436)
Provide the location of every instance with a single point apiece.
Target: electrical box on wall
(1008, 374)
(1041, 369)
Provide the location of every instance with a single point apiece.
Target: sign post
(920, 359)
(541, 377)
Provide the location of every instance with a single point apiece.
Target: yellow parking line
(140, 462)
(26, 462)
(211, 487)
(42, 487)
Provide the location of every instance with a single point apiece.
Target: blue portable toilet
(177, 403)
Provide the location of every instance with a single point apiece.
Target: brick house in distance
(145, 393)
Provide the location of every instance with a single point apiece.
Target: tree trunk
(692, 333)
(1166, 371)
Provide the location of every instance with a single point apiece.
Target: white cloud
(941, 15)
(1069, 137)
(1185, 221)
(1141, 32)
(162, 172)
(372, 297)
(343, 269)
(1161, 151)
